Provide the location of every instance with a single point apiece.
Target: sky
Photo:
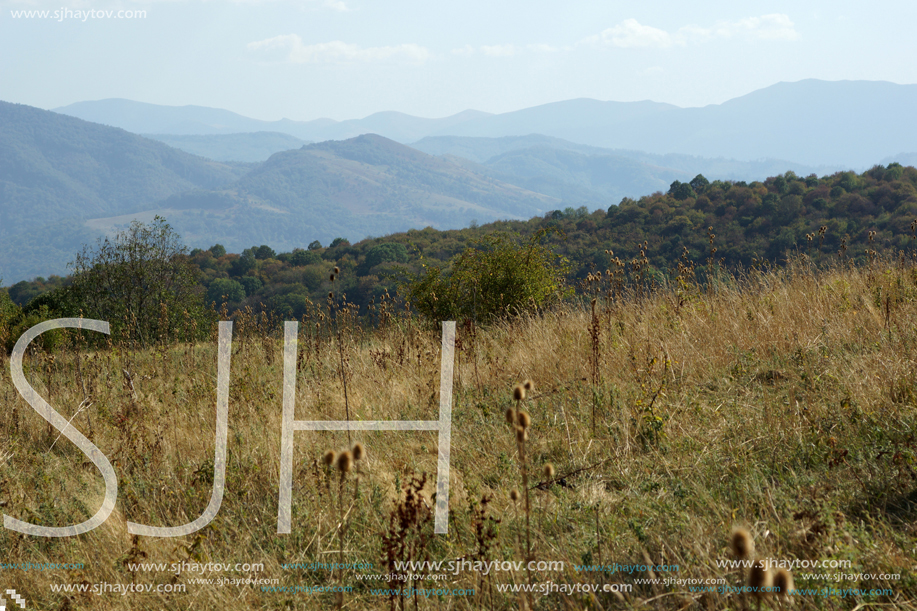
(346, 59)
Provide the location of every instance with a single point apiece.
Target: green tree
(141, 282)
(218, 250)
(226, 290)
(383, 253)
(493, 278)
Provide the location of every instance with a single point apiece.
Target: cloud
(465, 51)
(290, 48)
(631, 34)
(498, 50)
(542, 48)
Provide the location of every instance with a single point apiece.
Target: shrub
(493, 278)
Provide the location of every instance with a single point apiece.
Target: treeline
(842, 216)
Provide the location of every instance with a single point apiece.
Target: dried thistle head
(519, 393)
(331, 277)
(510, 416)
(521, 434)
(528, 385)
(759, 578)
(514, 495)
(742, 544)
(345, 461)
(328, 458)
(525, 421)
(337, 270)
(358, 451)
(783, 582)
(549, 471)
(330, 294)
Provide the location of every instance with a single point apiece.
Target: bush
(141, 282)
(493, 278)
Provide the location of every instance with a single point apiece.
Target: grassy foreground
(782, 402)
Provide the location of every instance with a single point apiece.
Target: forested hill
(367, 185)
(758, 220)
(56, 170)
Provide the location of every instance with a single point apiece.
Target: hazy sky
(343, 59)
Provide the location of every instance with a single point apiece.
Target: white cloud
(498, 50)
(290, 47)
(464, 51)
(632, 34)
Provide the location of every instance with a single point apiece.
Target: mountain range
(810, 122)
(65, 181)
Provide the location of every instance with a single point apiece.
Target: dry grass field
(781, 402)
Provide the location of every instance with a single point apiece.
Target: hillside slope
(56, 171)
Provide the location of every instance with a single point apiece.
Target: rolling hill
(57, 171)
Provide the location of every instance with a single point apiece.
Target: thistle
(742, 544)
(783, 583)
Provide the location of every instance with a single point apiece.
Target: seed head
(510, 415)
(758, 578)
(330, 294)
(525, 421)
(549, 471)
(519, 393)
(331, 277)
(358, 451)
(528, 385)
(345, 462)
(521, 434)
(329, 457)
(337, 270)
(742, 544)
(783, 582)
(514, 495)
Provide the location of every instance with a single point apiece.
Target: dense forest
(843, 216)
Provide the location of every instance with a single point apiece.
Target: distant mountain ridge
(144, 118)
(250, 147)
(810, 122)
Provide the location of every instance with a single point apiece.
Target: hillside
(485, 150)
(56, 171)
(364, 186)
(782, 403)
(751, 223)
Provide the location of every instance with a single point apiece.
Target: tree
(384, 253)
(699, 183)
(141, 282)
(218, 250)
(226, 290)
(493, 278)
(315, 245)
(264, 252)
(681, 190)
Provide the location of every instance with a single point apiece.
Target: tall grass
(781, 400)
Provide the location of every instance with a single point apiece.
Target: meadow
(658, 421)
